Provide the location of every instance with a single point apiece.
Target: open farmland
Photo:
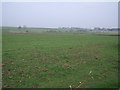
(58, 60)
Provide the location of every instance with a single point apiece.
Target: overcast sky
(60, 14)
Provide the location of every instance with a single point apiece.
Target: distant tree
(97, 28)
(19, 27)
(26, 30)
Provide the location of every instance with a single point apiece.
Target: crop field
(59, 60)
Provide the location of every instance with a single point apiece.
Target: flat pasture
(59, 60)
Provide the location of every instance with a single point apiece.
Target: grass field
(58, 60)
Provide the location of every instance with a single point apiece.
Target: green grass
(58, 60)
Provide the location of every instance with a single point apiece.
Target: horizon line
(61, 27)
